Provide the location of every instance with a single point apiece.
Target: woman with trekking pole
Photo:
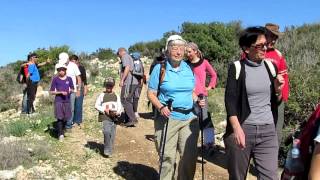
(177, 128)
(252, 97)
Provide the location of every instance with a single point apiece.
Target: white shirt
(73, 71)
(100, 106)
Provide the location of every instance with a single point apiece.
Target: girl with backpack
(201, 67)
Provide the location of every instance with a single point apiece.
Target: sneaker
(137, 115)
(61, 137)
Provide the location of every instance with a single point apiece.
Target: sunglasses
(261, 46)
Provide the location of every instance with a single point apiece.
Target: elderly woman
(174, 80)
(251, 99)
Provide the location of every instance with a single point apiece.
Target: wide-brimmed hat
(274, 28)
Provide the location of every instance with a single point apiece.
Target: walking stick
(201, 96)
(164, 136)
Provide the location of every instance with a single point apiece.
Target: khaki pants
(182, 136)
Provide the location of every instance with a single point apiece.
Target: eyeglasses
(261, 46)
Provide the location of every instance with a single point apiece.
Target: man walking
(128, 84)
(33, 77)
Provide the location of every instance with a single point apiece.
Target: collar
(181, 67)
(253, 64)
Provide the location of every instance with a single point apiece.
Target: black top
(83, 75)
(236, 99)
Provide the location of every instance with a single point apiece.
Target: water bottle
(293, 165)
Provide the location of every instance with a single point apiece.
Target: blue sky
(85, 26)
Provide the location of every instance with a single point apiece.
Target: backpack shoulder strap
(237, 65)
(271, 68)
(162, 73)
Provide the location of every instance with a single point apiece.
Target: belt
(183, 111)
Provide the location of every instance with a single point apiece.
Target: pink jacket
(200, 71)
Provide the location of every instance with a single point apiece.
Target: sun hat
(174, 38)
(274, 28)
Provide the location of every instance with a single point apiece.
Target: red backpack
(306, 137)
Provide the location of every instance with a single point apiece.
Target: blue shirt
(34, 73)
(178, 85)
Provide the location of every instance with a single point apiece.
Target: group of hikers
(257, 89)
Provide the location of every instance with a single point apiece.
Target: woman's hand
(202, 103)
(239, 137)
(278, 83)
(165, 111)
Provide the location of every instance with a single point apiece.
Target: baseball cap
(109, 81)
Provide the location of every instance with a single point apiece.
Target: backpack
(137, 65)
(271, 67)
(21, 78)
(307, 133)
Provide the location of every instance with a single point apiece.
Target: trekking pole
(164, 136)
(201, 96)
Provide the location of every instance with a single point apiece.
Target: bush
(18, 128)
(14, 154)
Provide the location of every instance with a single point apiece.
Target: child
(109, 106)
(61, 86)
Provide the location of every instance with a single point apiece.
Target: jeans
(77, 118)
(31, 93)
(261, 145)
(109, 132)
(72, 102)
(24, 101)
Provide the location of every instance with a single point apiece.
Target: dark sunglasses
(261, 46)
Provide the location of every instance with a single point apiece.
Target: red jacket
(276, 57)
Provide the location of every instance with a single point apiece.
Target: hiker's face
(109, 88)
(271, 39)
(257, 51)
(61, 72)
(176, 52)
(191, 54)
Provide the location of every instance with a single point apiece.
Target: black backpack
(21, 78)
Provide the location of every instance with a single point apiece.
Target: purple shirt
(58, 84)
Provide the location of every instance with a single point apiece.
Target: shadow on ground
(219, 158)
(131, 171)
(97, 147)
(51, 130)
(216, 156)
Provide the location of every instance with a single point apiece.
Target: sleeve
(231, 92)
(71, 84)
(53, 85)
(154, 78)
(127, 61)
(212, 73)
(119, 105)
(25, 70)
(98, 104)
(76, 70)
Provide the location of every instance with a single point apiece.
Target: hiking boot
(129, 124)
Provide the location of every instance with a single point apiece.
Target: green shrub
(18, 128)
